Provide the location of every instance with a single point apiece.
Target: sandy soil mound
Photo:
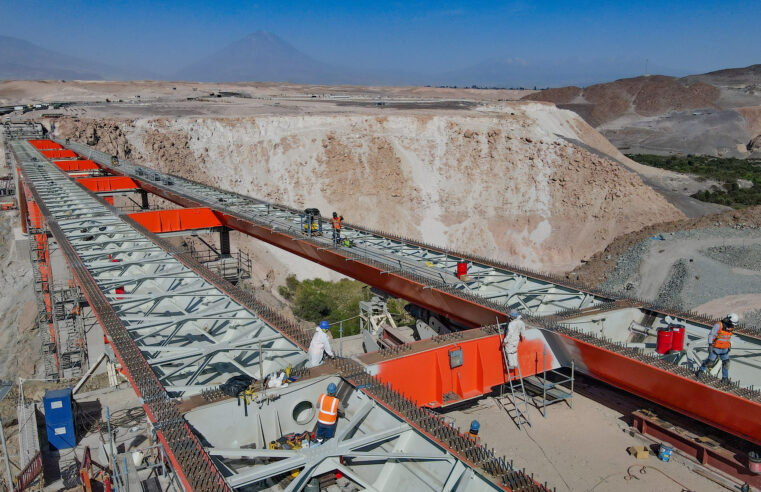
(644, 96)
(512, 185)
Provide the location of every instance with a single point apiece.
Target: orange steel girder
(108, 183)
(185, 219)
(78, 165)
(59, 154)
(45, 145)
(427, 377)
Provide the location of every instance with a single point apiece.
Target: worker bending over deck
(720, 343)
(320, 344)
(473, 432)
(327, 418)
(515, 332)
(336, 223)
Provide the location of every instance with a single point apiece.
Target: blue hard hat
(474, 426)
(514, 313)
(332, 389)
(324, 325)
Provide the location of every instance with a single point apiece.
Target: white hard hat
(733, 318)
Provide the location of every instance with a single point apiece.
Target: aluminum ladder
(517, 391)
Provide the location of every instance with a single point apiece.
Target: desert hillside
(525, 182)
(714, 113)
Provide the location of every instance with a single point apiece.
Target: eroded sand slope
(508, 183)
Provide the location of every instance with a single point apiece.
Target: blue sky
(422, 36)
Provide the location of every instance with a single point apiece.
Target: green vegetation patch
(316, 299)
(726, 171)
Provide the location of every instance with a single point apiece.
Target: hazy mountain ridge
(22, 60)
(263, 56)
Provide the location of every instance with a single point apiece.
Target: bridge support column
(144, 197)
(224, 242)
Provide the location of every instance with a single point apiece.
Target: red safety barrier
(76, 166)
(45, 144)
(59, 154)
(185, 219)
(108, 183)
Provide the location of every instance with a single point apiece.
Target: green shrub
(316, 300)
(724, 170)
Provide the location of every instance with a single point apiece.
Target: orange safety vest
(336, 221)
(328, 409)
(722, 340)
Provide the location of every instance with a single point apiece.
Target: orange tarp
(108, 183)
(185, 219)
(74, 166)
(58, 154)
(45, 144)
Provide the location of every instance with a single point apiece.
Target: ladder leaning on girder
(517, 389)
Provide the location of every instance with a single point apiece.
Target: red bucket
(754, 462)
(665, 340)
(462, 269)
(678, 342)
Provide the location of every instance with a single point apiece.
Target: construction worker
(320, 344)
(515, 332)
(720, 343)
(327, 418)
(473, 432)
(336, 222)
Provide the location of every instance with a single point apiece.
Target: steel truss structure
(193, 335)
(425, 275)
(179, 329)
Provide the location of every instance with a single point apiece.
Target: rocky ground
(708, 264)
(19, 345)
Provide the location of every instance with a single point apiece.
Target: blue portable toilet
(59, 418)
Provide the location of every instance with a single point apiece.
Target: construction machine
(311, 222)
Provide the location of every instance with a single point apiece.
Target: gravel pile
(701, 276)
(670, 293)
(748, 257)
(751, 318)
(626, 274)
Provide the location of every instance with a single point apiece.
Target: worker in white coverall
(515, 332)
(320, 344)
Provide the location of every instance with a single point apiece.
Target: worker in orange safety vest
(327, 417)
(473, 432)
(720, 343)
(336, 223)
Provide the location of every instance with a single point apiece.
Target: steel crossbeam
(333, 448)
